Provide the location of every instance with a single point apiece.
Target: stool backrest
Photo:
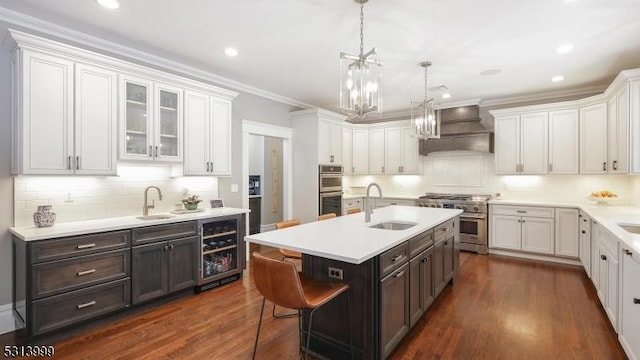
(278, 281)
(326, 216)
(287, 223)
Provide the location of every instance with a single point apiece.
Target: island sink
(155, 217)
(632, 228)
(393, 225)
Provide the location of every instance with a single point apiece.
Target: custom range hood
(460, 129)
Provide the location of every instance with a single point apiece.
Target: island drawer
(157, 233)
(56, 249)
(444, 230)
(420, 242)
(66, 309)
(392, 259)
(65, 275)
(531, 211)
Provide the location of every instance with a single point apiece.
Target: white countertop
(608, 216)
(348, 238)
(399, 197)
(72, 228)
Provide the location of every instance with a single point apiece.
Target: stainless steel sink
(632, 228)
(155, 217)
(393, 225)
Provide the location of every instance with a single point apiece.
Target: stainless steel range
(473, 220)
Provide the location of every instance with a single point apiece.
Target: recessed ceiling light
(446, 95)
(491, 72)
(109, 4)
(231, 52)
(563, 49)
(557, 78)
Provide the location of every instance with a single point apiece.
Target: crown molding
(546, 96)
(50, 29)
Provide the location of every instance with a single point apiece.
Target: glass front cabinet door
(151, 119)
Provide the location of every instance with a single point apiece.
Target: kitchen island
(394, 275)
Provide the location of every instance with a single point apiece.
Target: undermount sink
(393, 225)
(632, 228)
(155, 217)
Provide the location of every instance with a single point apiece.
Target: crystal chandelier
(423, 113)
(360, 77)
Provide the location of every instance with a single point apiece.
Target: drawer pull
(636, 301)
(627, 252)
(444, 229)
(603, 257)
(396, 258)
(399, 274)
(86, 272)
(86, 246)
(85, 305)
(521, 211)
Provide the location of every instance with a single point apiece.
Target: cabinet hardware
(627, 252)
(166, 247)
(424, 260)
(396, 258)
(604, 166)
(331, 158)
(550, 167)
(353, 169)
(580, 215)
(446, 242)
(523, 220)
(86, 246)
(171, 247)
(156, 152)
(521, 211)
(585, 220)
(399, 274)
(90, 303)
(383, 169)
(603, 257)
(584, 232)
(636, 301)
(69, 163)
(77, 162)
(150, 151)
(615, 164)
(86, 272)
(444, 229)
(401, 168)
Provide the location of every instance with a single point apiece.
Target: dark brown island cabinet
(61, 282)
(389, 294)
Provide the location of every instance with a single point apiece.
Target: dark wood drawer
(157, 233)
(419, 243)
(392, 259)
(65, 275)
(66, 309)
(444, 230)
(48, 250)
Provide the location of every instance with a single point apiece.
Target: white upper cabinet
(393, 150)
(150, 120)
(329, 142)
(347, 150)
(618, 133)
(563, 142)
(593, 139)
(376, 151)
(410, 158)
(208, 128)
(521, 144)
(47, 138)
(360, 151)
(634, 120)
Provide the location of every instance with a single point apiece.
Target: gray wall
(253, 108)
(272, 205)
(6, 181)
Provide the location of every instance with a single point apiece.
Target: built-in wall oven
(330, 189)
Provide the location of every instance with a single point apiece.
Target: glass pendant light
(360, 79)
(423, 114)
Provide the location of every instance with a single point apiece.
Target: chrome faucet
(367, 207)
(146, 206)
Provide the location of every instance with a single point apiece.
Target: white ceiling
(291, 47)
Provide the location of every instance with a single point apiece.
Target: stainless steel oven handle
(473, 216)
(330, 175)
(330, 194)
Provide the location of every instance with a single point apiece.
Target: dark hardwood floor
(499, 308)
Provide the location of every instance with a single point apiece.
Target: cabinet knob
(603, 257)
(636, 301)
(584, 232)
(446, 242)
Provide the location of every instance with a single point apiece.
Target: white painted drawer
(530, 211)
(608, 241)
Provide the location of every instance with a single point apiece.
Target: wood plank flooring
(499, 308)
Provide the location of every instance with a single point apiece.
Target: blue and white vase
(44, 216)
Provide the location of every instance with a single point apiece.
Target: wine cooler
(222, 255)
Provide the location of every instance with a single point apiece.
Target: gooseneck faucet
(146, 206)
(367, 207)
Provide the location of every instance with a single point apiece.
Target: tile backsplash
(76, 198)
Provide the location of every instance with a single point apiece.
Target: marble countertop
(62, 229)
(348, 238)
(608, 216)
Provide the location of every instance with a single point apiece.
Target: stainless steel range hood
(461, 129)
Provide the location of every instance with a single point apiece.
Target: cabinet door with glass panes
(151, 120)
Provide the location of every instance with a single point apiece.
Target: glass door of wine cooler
(219, 248)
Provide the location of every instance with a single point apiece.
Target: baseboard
(7, 322)
(530, 256)
(267, 227)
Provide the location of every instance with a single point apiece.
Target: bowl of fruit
(603, 197)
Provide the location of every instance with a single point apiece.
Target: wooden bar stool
(326, 216)
(353, 211)
(287, 254)
(279, 282)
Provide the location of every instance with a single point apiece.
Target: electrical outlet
(335, 273)
(67, 198)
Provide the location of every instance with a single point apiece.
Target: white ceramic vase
(44, 216)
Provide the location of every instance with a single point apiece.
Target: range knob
(475, 208)
(458, 207)
(439, 206)
(432, 205)
(464, 208)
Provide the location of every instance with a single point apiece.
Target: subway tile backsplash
(76, 198)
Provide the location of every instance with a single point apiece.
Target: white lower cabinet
(522, 228)
(607, 273)
(585, 242)
(629, 334)
(537, 235)
(567, 233)
(506, 232)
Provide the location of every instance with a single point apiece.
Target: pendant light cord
(361, 29)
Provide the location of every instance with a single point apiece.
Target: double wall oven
(330, 189)
(473, 220)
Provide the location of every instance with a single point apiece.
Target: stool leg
(283, 316)
(306, 350)
(350, 327)
(255, 346)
